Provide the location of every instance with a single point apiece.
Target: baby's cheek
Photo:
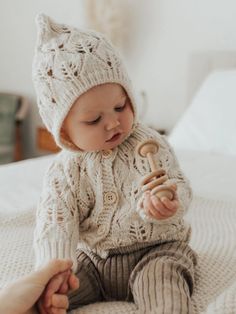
(131, 116)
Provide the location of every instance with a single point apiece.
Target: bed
(206, 149)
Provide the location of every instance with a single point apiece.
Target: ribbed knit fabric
(92, 200)
(105, 279)
(213, 238)
(163, 281)
(16, 235)
(159, 279)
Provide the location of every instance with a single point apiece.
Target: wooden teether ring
(154, 181)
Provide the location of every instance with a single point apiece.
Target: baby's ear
(64, 134)
(66, 139)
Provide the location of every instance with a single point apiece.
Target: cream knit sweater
(91, 200)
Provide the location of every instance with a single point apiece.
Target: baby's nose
(112, 123)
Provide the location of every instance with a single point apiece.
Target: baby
(125, 244)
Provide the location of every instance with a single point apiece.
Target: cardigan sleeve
(166, 159)
(176, 176)
(57, 220)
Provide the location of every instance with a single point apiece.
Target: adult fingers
(52, 268)
(54, 286)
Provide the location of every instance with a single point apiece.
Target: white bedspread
(212, 215)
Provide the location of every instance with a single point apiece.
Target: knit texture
(214, 225)
(88, 199)
(67, 63)
(213, 237)
(160, 276)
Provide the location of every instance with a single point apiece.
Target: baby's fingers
(41, 307)
(73, 282)
(173, 187)
(171, 205)
(149, 206)
(57, 311)
(64, 286)
(160, 208)
(60, 301)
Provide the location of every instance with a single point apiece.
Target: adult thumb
(52, 268)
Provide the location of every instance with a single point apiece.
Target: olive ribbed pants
(158, 279)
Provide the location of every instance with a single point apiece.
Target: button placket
(101, 230)
(110, 197)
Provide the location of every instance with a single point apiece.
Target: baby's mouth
(114, 138)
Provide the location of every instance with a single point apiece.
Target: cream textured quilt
(214, 230)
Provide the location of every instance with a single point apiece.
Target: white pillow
(209, 123)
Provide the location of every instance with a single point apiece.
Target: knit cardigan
(90, 200)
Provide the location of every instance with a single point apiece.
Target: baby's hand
(160, 208)
(54, 300)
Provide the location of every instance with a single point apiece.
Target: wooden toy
(155, 180)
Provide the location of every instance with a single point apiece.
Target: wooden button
(110, 198)
(107, 153)
(101, 230)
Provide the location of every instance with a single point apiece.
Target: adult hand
(20, 296)
(54, 299)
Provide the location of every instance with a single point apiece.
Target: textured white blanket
(213, 237)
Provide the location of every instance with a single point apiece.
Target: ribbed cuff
(45, 251)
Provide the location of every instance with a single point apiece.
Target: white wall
(17, 40)
(166, 35)
(161, 36)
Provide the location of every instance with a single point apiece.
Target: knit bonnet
(67, 63)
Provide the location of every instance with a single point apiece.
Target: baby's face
(99, 119)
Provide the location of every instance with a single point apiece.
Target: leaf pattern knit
(91, 200)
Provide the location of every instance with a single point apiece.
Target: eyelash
(94, 122)
(117, 109)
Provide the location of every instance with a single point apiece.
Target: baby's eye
(94, 121)
(120, 108)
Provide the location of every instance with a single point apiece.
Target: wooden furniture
(45, 141)
(13, 110)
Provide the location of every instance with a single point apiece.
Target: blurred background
(157, 38)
